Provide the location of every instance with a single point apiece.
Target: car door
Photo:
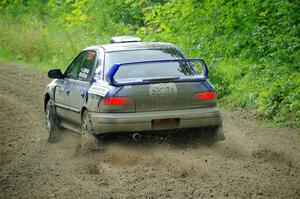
(63, 88)
(61, 99)
(78, 91)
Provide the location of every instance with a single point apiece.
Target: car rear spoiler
(113, 70)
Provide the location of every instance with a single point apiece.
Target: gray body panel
(78, 96)
(61, 97)
(142, 121)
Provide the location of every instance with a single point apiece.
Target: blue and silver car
(132, 87)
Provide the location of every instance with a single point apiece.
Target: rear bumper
(143, 121)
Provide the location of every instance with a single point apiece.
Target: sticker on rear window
(100, 88)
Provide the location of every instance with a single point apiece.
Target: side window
(74, 69)
(87, 68)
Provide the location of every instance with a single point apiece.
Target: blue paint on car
(201, 77)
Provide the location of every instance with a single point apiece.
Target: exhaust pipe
(136, 137)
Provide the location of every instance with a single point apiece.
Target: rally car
(132, 87)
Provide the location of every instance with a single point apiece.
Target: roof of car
(134, 46)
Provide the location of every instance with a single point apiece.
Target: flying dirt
(253, 162)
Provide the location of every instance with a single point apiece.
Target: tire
(89, 141)
(211, 135)
(50, 123)
(86, 124)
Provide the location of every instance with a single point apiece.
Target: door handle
(68, 92)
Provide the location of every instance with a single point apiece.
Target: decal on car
(68, 85)
(99, 88)
(98, 73)
(162, 89)
(84, 72)
(82, 75)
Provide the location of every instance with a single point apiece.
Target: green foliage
(251, 46)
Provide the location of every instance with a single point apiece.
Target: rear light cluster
(115, 101)
(208, 95)
(117, 104)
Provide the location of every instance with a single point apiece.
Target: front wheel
(51, 126)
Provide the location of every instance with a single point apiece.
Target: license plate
(162, 124)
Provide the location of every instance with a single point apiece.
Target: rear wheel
(86, 124)
(51, 126)
(89, 140)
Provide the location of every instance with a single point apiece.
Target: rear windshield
(149, 70)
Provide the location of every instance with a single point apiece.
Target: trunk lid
(166, 96)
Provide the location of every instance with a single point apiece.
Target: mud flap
(211, 135)
(92, 135)
(219, 134)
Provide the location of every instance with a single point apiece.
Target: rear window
(149, 70)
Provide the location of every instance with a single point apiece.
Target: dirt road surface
(253, 162)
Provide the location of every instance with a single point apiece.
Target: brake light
(208, 95)
(116, 101)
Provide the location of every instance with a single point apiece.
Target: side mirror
(55, 74)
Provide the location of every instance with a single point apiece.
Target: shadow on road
(178, 139)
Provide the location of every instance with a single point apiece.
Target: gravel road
(253, 162)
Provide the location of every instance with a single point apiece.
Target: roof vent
(124, 39)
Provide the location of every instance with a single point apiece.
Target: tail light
(117, 104)
(115, 101)
(208, 95)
